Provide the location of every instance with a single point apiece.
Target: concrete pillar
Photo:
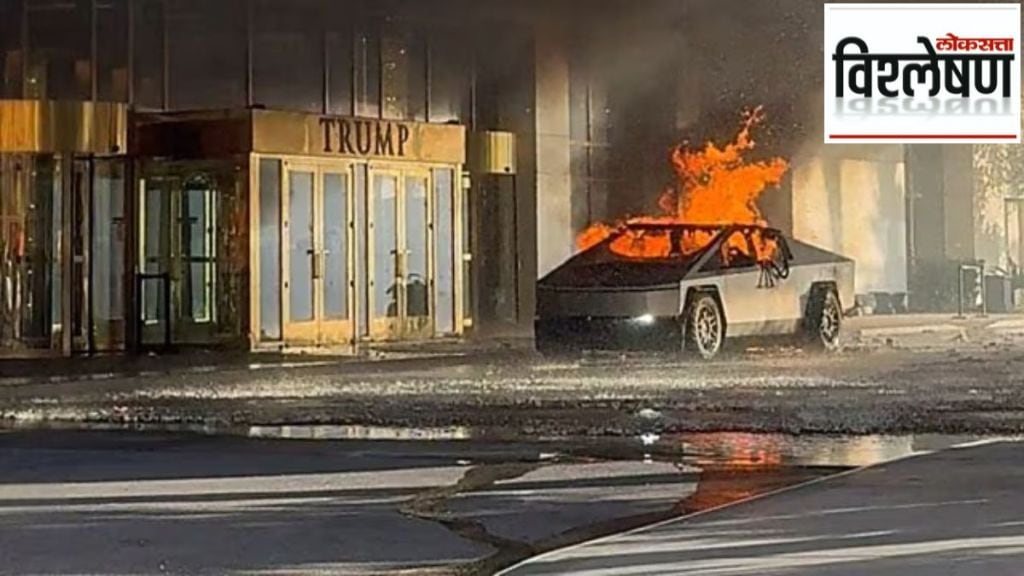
(554, 186)
(958, 194)
(941, 222)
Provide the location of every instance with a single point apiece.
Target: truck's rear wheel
(705, 326)
(824, 320)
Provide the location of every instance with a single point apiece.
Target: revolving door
(62, 253)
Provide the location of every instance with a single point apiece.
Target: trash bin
(998, 293)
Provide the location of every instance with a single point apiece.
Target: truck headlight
(644, 320)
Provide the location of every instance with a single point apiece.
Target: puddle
(736, 450)
(722, 449)
(746, 450)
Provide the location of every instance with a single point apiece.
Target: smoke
(765, 53)
(679, 72)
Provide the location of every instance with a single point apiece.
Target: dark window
(207, 42)
(148, 34)
(404, 76)
(736, 251)
(60, 50)
(416, 71)
(367, 74)
(339, 71)
(288, 55)
(112, 50)
(10, 48)
(451, 74)
(589, 136)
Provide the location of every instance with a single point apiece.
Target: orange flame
(714, 186)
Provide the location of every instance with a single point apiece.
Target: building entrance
(342, 230)
(192, 240)
(368, 252)
(317, 230)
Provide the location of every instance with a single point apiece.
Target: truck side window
(736, 251)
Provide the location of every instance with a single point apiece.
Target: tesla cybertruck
(692, 287)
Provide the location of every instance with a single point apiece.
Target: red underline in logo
(921, 136)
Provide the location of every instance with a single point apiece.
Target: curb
(13, 381)
(364, 361)
(884, 332)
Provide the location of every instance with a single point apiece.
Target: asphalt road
(956, 512)
(153, 504)
(128, 504)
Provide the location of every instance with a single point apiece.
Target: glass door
(300, 262)
(383, 246)
(107, 254)
(335, 236)
(415, 261)
(80, 264)
(400, 272)
(178, 254)
(195, 253)
(317, 278)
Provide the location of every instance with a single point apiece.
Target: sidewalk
(53, 369)
(953, 512)
(913, 330)
(908, 331)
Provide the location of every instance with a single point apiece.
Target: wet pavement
(161, 502)
(460, 465)
(952, 512)
(971, 389)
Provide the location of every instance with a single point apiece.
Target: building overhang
(231, 132)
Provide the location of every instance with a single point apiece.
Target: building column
(555, 242)
(940, 223)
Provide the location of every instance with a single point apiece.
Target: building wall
(855, 205)
(389, 59)
(445, 61)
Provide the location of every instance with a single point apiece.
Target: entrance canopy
(192, 135)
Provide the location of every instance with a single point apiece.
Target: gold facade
(40, 126)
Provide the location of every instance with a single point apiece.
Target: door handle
(318, 265)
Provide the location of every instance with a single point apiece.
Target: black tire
(705, 326)
(824, 320)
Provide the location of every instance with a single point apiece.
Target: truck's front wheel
(705, 326)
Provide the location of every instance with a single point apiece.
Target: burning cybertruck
(691, 287)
